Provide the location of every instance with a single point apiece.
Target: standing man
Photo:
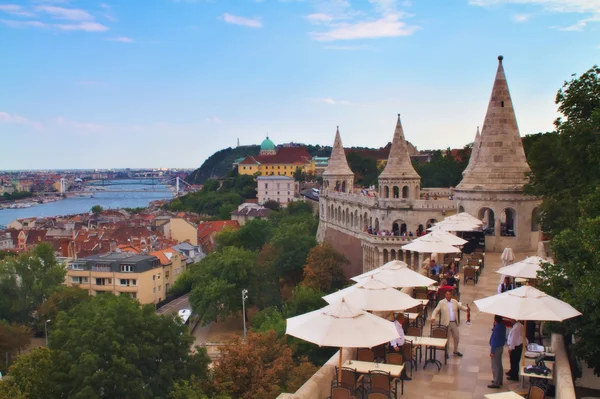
(515, 349)
(505, 286)
(448, 308)
(497, 341)
(398, 344)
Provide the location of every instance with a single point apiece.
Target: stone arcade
(491, 190)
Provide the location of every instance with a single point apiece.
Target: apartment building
(276, 188)
(139, 276)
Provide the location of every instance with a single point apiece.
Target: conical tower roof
(338, 164)
(500, 163)
(474, 152)
(399, 164)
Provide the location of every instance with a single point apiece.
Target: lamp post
(46, 331)
(244, 297)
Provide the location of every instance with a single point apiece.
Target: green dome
(267, 145)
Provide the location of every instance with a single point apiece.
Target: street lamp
(244, 297)
(46, 330)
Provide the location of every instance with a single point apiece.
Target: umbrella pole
(524, 343)
(340, 367)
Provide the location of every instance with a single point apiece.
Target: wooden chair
(394, 358)
(341, 393)
(536, 392)
(365, 355)
(350, 379)
(381, 382)
(469, 274)
(410, 354)
(379, 351)
(378, 395)
(438, 331)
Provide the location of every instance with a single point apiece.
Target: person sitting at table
(434, 268)
(452, 269)
(398, 344)
(445, 286)
(505, 286)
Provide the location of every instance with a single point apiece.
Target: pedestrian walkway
(469, 376)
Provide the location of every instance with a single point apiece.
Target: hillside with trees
(220, 163)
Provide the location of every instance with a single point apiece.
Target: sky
(166, 83)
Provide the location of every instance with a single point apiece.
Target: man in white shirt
(515, 349)
(398, 344)
(448, 308)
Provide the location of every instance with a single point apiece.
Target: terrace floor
(469, 376)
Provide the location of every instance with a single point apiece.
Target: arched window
(386, 192)
(385, 256)
(393, 254)
(508, 222)
(535, 220)
(377, 224)
(461, 209)
(486, 215)
(396, 192)
(430, 223)
(399, 227)
(347, 217)
(344, 186)
(366, 221)
(337, 186)
(405, 192)
(420, 230)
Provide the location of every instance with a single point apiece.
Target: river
(106, 199)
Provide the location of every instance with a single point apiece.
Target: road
(176, 305)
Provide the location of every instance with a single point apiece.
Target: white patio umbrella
(398, 275)
(455, 225)
(430, 244)
(527, 303)
(374, 295)
(507, 256)
(526, 268)
(446, 237)
(341, 325)
(463, 217)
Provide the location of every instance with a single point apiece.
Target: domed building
(273, 161)
(267, 147)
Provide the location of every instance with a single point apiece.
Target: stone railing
(373, 239)
(565, 389)
(351, 197)
(439, 191)
(445, 205)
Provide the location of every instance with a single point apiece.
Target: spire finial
(500, 58)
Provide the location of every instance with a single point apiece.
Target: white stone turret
(338, 176)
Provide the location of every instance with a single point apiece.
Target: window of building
(154, 290)
(78, 266)
(288, 186)
(158, 275)
(266, 186)
(127, 282)
(79, 280)
(277, 192)
(167, 275)
(126, 268)
(277, 186)
(243, 167)
(103, 281)
(159, 289)
(133, 295)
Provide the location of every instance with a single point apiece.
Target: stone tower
(474, 153)
(338, 176)
(399, 180)
(492, 184)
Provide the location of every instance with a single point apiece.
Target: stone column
(497, 227)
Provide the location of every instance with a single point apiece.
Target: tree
(257, 368)
(299, 175)
(14, 338)
(266, 284)
(323, 270)
(110, 347)
(251, 236)
(293, 245)
(61, 300)
(97, 209)
(365, 169)
(27, 280)
(219, 282)
(273, 205)
(300, 374)
(32, 374)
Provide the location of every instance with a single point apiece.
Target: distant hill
(219, 163)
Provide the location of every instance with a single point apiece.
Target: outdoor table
(530, 362)
(519, 280)
(395, 370)
(425, 302)
(430, 344)
(503, 395)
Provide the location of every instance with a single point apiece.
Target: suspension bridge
(175, 185)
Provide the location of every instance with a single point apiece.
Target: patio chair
(350, 379)
(379, 351)
(410, 354)
(416, 332)
(394, 358)
(469, 274)
(536, 392)
(341, 393)
(378, 395)
(381, 382)
(365, 355)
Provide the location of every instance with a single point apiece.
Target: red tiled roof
(208, 230)
(295, 155)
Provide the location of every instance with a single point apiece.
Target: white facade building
(276, 188)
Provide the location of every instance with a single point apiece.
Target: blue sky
(163, 83)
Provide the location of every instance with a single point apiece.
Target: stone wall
(350, 247)
(565, 389)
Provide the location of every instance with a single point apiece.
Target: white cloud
(241, 21)
(318, 18)
(214, 120)
(67, 123)
(330, 101)
(521, 17)
(389, 26)
(341, 22)
(5, 117)
(72, 14)
(14, 9)
(84, 26)
(23, 24)
(122, 39)
(589, 7)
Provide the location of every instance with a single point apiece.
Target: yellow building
(274, 161)
(173, 264)
(139, 276)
